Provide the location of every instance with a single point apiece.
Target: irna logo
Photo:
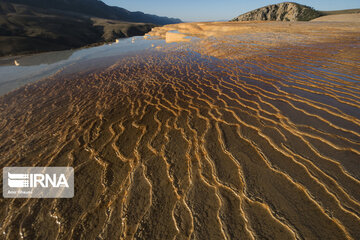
(38, 182)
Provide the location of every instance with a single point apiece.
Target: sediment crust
(251, 136)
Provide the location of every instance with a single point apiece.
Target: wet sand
(244, 135)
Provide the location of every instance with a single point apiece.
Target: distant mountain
(97, 8)
(286, 11)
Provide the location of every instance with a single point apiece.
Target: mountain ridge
(97, 8)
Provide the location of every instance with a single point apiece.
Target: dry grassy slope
(25, 29)
(347, 11)
(349, 17)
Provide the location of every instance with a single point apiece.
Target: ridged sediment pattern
(172, 144)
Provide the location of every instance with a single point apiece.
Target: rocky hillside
(287, 11)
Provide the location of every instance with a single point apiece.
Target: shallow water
(214, 139)
(38, 66)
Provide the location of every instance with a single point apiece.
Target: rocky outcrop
(287, 11)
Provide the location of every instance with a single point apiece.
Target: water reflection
(37, 59)
(37, 66)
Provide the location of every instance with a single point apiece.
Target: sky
(214, 10)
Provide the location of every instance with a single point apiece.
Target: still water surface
(38, 66)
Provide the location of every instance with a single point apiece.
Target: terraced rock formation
(235, 137)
